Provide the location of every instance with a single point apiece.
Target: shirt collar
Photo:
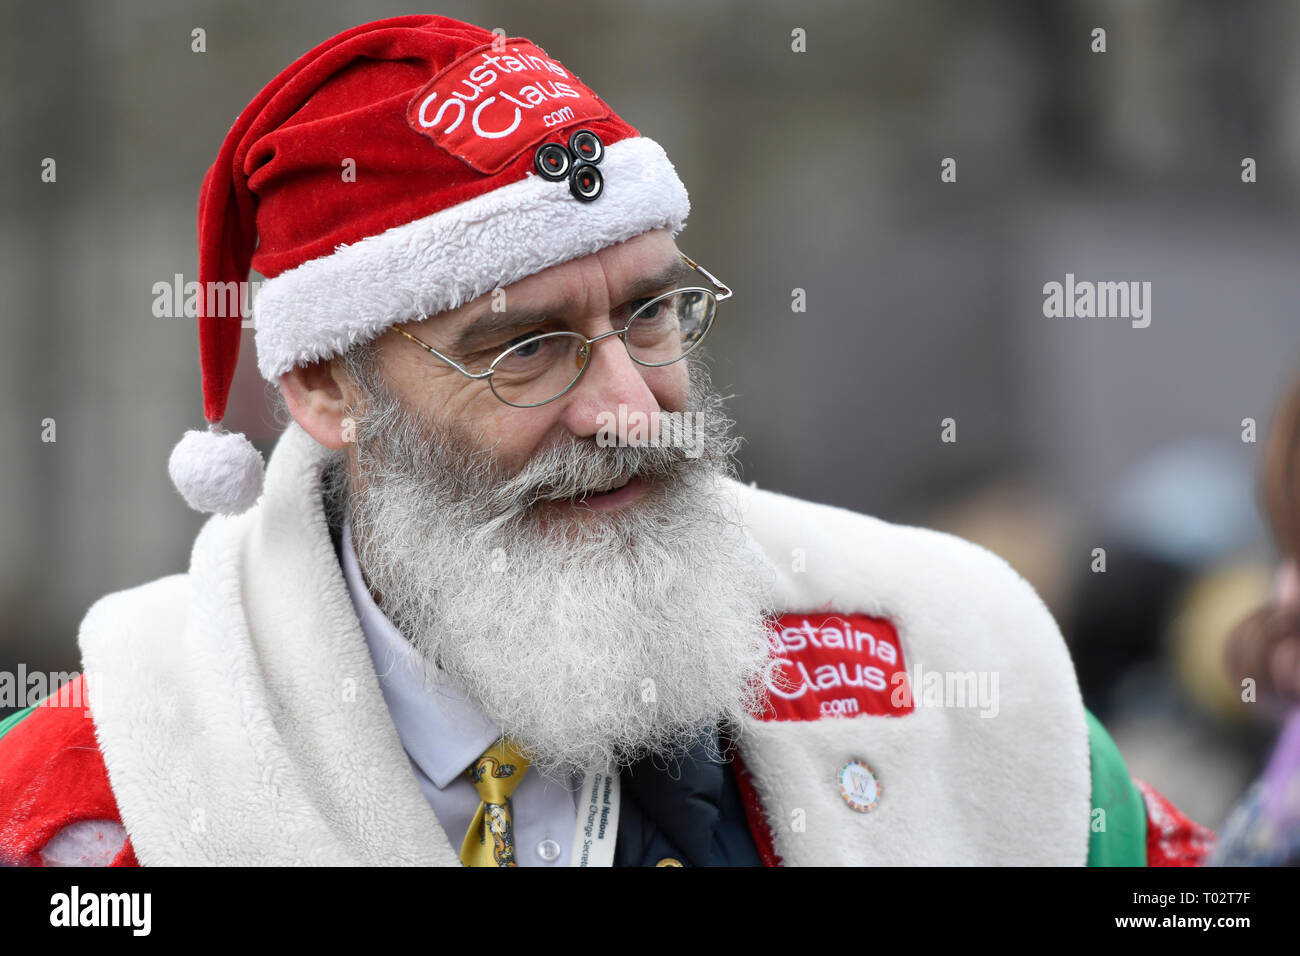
(442, 730)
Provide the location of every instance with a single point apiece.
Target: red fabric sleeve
(53, 775)
(1172, 838)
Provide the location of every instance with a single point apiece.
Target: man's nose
(611, 380)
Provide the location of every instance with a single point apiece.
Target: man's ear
(318, 400)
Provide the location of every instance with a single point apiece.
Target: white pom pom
(217, 471)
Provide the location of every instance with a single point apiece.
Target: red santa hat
(398, 170)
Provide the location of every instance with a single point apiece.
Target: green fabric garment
(8, 723)
(1118, 822)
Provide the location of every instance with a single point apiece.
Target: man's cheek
(518, 441)
(670, 385)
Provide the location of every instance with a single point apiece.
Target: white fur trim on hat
(217, 471)
(325, 306)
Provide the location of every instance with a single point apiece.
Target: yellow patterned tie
(491, 838)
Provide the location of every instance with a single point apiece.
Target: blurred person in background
(458, 617)
(1264, 655)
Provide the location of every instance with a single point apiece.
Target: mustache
(570, 471)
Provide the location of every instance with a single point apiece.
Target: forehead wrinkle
(487, 324)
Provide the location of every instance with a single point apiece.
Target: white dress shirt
(443, 732)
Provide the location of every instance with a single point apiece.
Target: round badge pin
(859, 786)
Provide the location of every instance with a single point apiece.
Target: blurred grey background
(817, 171)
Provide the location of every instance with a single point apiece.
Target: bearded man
(456, 621)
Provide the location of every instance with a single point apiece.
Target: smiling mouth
(549, 496)
(606, 497)
(603, 490)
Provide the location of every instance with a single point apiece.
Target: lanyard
(597, 825)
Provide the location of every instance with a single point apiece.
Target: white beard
(590, 643)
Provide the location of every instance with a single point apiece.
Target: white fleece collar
(237, 707)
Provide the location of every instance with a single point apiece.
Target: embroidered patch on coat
(835, 665)
(491, 104)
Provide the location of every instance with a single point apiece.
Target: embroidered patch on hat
(498, 100)
(835, 665)
(859, 786)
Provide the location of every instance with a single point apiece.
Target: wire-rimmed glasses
(542, 367)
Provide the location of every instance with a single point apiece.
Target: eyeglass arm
(450, 361)
(724, 290)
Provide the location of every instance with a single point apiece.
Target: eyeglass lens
(544, 367)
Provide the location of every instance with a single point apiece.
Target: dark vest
(688, 811)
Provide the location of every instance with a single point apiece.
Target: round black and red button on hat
(552, 161)
(586, 182)
(586, 145)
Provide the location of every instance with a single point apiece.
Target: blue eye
(528, 351)
(653, 312)
(518, 340)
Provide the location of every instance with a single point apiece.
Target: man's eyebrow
(488, 325)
